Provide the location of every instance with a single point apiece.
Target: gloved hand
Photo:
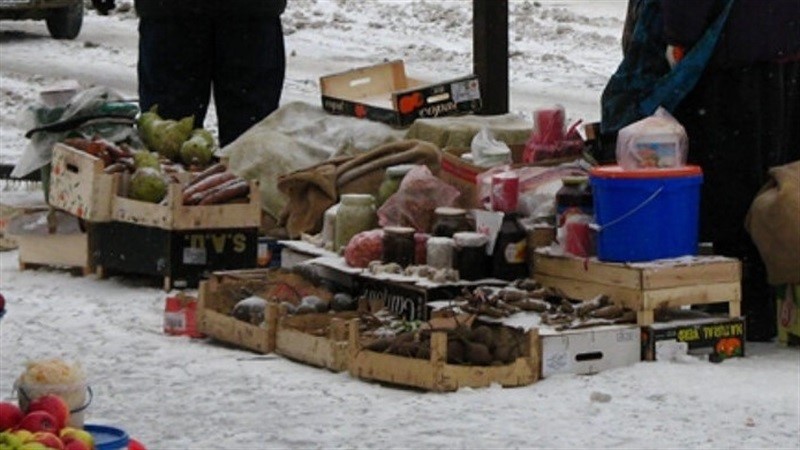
(675, 53)
(103, 6)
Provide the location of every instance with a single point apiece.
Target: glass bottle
(510, 255)
(355, 214)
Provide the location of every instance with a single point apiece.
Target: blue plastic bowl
(107, 437)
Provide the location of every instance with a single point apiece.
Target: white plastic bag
(658, 141)
(488, 151)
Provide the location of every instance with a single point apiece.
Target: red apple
(52, 404)
(133, 444)
(39, 421)
(10, 415)
(2, 302)
(69, 434)
(76, 445)
(48, 440)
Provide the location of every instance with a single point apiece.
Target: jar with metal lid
(471, 259)
(398, 245)
(449, 221)
(356, 213)
(391, 182)
(440, 252)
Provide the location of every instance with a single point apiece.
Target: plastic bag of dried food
(412, 205)
(364, 247)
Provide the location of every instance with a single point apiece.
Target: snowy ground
(177, 393)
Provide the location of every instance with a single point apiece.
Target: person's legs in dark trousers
(249, 68)
(739, 125)
(175, 65)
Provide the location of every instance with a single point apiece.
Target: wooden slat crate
(329, 350)
(69, 251)
(214, 320)
(172, 214)
(435, 374)
(216, 302)
(644, 287)
(79, 185)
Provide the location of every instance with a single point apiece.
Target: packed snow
(181, 393)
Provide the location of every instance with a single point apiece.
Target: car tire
(65, 23)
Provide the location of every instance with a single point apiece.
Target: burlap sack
(774, 224)
(313, 190)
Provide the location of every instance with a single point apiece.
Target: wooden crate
(172, 214)
(435, 374)
(329, 351)
(215, 305)
(644, 287)
(79, 185)
(69, 251)
(214, 320)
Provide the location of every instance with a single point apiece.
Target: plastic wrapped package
(658, 141)
(414, 203)
(364, 247)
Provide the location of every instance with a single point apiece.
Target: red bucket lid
(619, 172)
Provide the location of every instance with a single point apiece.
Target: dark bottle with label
(510, 255)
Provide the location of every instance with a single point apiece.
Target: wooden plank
(608, 274)
(691, 295)
(698, 272)
(70, 250)
(317, 351)
(584, 290)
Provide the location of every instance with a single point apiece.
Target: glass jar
(449, 221)
(391, 182)
(356, 213)
(440, 252)
(398, 245)
(470, 259)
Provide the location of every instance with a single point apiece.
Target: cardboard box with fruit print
(384, 93)
(716, 338)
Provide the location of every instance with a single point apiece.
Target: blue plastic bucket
(647, 214)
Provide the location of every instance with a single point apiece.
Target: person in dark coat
(191, 48)
(742, 118)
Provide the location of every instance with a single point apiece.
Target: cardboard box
(717, 338)
(789, 314)
(589, 350)
(384, 93)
